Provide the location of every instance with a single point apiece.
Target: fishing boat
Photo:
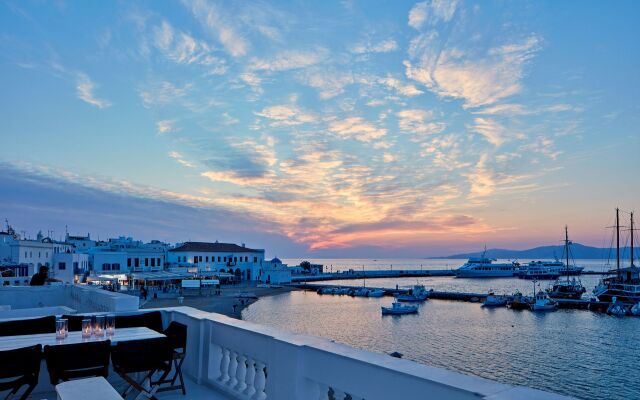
(361, 292)
(519, 302)
(622, 283)
(617, 308)
(416, 294)
(494, 300)
(542, 302)
(566, 288)
(398, 308)
(484, 267)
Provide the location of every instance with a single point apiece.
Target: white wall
(210, 261)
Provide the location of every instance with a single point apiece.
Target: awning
(215, 273)
(160, 276)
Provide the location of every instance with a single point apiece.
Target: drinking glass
(86, 328)
(98, 325)
(111, 325)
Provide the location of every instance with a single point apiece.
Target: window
(225, 259)
(159, 263)
(218, 258)
(207, 258)
(106, 267)
(46, 254)
(62, 265)
(200, 258)
(75, 265)
(39, 254)
(115, 267)
(128, 262)
(153, 262)
(25, 254)
(255, 259)
(246, 258)
(146, 262)
(31, 254)
(235, 259)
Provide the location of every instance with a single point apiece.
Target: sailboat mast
(566, 249)
(618, 241)
(632, 238)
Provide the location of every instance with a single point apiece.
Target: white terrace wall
(78, 297)
(249, 361)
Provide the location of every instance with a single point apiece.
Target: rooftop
(206, 247)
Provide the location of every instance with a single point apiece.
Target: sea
(579, 353)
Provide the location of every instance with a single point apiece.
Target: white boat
(376, 292)
(542, 302)
(635, 310)
(416, 294)
(399, 308)
(540, 270)
(494, 300)
(483, 267)
(361, 292)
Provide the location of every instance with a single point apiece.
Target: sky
(337, 128)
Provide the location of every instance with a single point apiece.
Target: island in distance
(578, 251)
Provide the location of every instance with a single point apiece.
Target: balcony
(233, 359)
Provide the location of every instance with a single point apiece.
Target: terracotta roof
(214, 248)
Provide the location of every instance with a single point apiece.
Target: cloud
(431, 11)
(180, 159)
(356, 128)
(478, 81)
(400, 87)
(284, 115)
(182, 48)
(419, 122)
(212, 20)
(162, 93)
(84, 91)
(166, 126)
(388, 157)
(329, 83)
(494, 132)
(288, 60)
(481, 179)
(385, 46)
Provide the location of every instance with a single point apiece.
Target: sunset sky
(326, 128)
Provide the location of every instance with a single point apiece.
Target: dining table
(73, 337)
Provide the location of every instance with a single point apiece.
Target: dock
(373, 274)
(583, 304)
(388, 273)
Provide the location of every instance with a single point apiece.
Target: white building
(60, 257)
(243, 262)
(275, 271)
(81, 243)
(124, 255)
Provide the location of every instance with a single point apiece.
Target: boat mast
(566, 249)
(618, 242)
(631, 238)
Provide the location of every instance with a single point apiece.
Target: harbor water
(572, 352)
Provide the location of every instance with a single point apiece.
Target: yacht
(416, 294)
(623, 284)
(519, 302)
(483, 267)
(399, 308)
(566, 288)
(617, 308)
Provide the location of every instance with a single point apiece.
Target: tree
(306, 265)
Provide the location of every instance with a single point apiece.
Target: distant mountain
(578, 251)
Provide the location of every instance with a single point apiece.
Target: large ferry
(622, 284)
(483, 267)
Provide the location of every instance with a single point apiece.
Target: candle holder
(98, 326)
(110, 325)
(62, 328)
(86, 328)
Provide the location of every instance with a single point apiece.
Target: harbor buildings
(245, 263)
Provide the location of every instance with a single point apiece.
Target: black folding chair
(79, 360)
(151, 320)
(177, 334)
(29, 326)
(146, 356)
(20, 367)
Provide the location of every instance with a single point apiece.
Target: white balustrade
(252, 362)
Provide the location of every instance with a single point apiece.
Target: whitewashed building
(124, 255)
(60, 257)
(243, 262)
(275, 271)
